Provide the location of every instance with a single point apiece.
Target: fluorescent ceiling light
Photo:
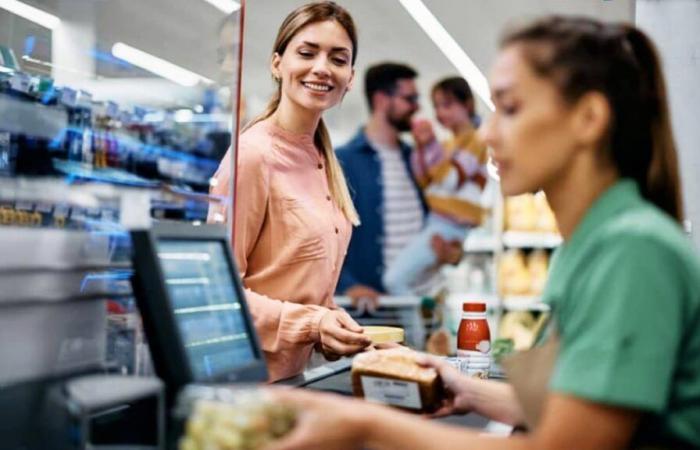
(449, 47)
(226, 6)
(157, 65)
(36, 15)
(183, 115)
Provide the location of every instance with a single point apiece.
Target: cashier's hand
(341, 335)
(456, 384)
(323, 420)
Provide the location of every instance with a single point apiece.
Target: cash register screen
(206, 306)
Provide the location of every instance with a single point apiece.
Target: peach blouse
(289, 240)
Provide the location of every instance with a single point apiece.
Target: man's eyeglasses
(408, 98)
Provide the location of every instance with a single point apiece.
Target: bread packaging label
(393, 377)
(404, 394)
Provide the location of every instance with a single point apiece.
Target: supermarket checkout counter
(197, 324)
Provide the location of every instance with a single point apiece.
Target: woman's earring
(276, 78)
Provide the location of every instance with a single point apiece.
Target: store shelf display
(524, 303)
(529, 213)
(522, 327)
(67, 136)
(520, 274)
(506, 266)
(531, 239)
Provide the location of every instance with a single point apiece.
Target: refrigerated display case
(113, 115)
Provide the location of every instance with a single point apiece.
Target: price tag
(392, 392)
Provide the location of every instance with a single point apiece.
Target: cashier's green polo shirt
(625, 292)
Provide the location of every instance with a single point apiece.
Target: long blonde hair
(295, 21)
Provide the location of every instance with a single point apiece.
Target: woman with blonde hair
(293, 213)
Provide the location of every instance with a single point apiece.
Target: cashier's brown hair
(295, 21)
(581, 55)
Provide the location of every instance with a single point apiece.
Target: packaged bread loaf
(393, 377)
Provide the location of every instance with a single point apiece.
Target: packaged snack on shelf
(226, 418)
(520, 213)
(513, 274)
(529, 213)
(545, 220)
(522, 327)
(537, 265)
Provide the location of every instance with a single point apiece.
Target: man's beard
(402, 123)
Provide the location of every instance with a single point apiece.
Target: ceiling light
(183, 115)
(225, 6)
(36, 15)
(157, 65)
(449, 47)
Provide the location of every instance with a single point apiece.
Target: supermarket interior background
(116, 114)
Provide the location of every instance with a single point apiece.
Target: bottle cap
(473, 307)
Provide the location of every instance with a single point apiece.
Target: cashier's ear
(590, 119)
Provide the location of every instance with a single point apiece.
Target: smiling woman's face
(530, 132)
(316, 67)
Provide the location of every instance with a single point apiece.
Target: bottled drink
(474, 340)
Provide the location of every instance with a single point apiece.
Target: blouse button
(336, 230)
(320, 166)
(328, 197)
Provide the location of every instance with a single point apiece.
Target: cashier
(581, 112)
(293, 213)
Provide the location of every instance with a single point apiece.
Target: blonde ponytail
(336, 178)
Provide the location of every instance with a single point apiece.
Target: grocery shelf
(524, 303)
(480, 244)
(527, 239)
(32, 119)
(88, 194)
(457, 298)
(385, 300)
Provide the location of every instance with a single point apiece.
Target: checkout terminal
(196, 320)
(190, 297)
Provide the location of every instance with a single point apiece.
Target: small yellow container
(381, 335)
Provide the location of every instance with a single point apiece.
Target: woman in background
(293, 213)
(581, 112)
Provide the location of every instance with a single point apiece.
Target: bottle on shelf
(474, 340)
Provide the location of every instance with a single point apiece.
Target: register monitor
(194, 313)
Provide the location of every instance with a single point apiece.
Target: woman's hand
(324, 421)
(341, 335)
(458, 385)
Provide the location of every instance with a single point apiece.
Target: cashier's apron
(528, 372)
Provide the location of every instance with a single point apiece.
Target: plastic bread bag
(230, 418)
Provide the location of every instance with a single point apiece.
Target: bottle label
(482, 347)
(391, 392)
